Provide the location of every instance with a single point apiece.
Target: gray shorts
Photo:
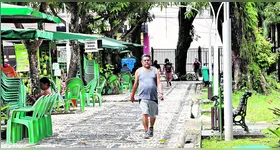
(149, 107)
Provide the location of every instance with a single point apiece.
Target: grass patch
(208, 114)
(204, 95)
(269, 140)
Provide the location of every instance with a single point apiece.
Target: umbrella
(24, 14)
(20, 34)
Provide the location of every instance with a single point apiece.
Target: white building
(163, 30)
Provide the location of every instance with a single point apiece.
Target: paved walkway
(117, 124)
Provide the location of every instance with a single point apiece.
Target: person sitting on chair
(125, 69)
(45, 87)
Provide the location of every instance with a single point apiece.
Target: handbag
(175, 77)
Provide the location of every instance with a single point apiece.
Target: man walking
(148, 79)
(168, 69)
(196, 67)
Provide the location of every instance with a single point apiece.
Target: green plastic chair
(90, 90)
(75, 90)
(114, 82)
(126, 81)
(56, 90)
(99, 90)
(18, 119)
(47, 120)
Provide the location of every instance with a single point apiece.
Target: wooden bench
(238, 114)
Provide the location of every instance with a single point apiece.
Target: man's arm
(135, 86)
(159, 86)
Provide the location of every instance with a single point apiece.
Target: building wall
(163, 30)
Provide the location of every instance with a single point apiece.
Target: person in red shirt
(45, 87)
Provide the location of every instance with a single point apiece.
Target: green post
(220, 113)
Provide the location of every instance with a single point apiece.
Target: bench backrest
(242, 106)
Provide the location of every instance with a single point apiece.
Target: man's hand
(32, 98)
(161, 96)
(132, 99)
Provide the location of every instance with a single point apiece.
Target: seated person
(125, 69)
(45, 86)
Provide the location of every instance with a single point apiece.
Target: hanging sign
(22, 62)
(57, 72)
(55, 66)
(93, 45)
(61, 54)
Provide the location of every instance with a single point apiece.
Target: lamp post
(227, 74)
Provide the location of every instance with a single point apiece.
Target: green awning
(72, 36)
(109, 44)
(24, 14)
(106, 43)
(20, 34)
(124, 43)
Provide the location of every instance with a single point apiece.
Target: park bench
(38, 123)
(238, 114)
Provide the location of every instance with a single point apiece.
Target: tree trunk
(2, 55)
(109, 57)
(263, 83)
(272, 68)
(278, 45)
(136, 35)
(75, 52)
(32, 47)
(185, 38)
(236, 42)
(236, 72)
(75, 59)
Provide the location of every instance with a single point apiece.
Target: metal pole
(216, 55)
(210, 44)
(227, 74)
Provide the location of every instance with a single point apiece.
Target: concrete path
(117, 124)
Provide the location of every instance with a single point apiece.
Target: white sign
(57, 72)
(61, 54)
(55, 66)
(91, 46)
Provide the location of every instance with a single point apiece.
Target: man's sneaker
(151, 132)
(146, 135)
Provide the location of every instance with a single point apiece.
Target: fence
(161, 54)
